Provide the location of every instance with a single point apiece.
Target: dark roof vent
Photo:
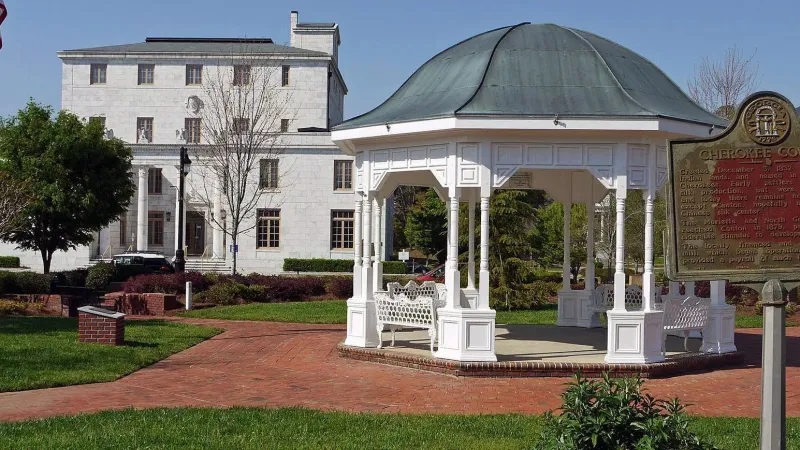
(312, 130)
(212, 40)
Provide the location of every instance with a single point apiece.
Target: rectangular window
(268, 233)
(341, 230)
(146, 73)
(241, 125)
(98, 119)
(241, 75)
(285, 76)
(343, 175)
(97, 74)
(123, 225)
(154, 181)
(192, 127)
(194, 74)
(284, 125)
(144, 129)
(155, 228)
(268, 178)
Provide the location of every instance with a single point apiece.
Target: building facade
(151, 96)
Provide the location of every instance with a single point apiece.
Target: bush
(340, 287)
(523, 296)
(615, 414)
(277, 288)
(223, 294)
(72, 278)
(100, 275)
(395, 267)
(543, 275)
(12, 307)
(8, 283)
(10, 262)
(33, 283)
(317, 265)
(166, 283)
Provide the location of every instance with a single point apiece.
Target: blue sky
(384, 42)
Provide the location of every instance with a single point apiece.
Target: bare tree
(14, 197)
(719, 85)
(243, 138)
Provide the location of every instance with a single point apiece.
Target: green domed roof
(536, 70)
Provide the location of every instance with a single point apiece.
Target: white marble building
(141, 92)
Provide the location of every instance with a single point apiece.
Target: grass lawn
(297, 312)
(300, 428)
(39, 352)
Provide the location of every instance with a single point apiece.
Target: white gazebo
(531, 106)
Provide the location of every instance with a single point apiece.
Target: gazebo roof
(538, 71)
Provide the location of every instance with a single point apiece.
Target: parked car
(142, 262)
(437, 274)
(417, 268)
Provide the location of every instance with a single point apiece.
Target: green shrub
(12, 307)
(228, 293)
(615, 414)
(72, 278)
(394, 267)
(10, 262)
(100, 275)
(523, 296)
(339, 287)
(33, 283)
(317, 265)
(402, 279)
(8, 283)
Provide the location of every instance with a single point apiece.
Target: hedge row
(336, 265)
(25, 283)
(9, 262)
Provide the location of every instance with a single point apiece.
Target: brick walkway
(273, 364)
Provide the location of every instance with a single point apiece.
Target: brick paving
(277, 364)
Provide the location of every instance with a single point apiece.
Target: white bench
(602, 300)
(686, 315)
(409, 306)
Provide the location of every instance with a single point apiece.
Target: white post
(366, 276)
(619, 274)
(218, 232)
(357, 246)
(648, 279)
(453, 276)
(589, 278)
(471, 246)
(141, 212)
(377, 268)
(483, 297)
(566, 266)
(688, 288)
(188, 298)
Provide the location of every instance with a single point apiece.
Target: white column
(377, 264)
(218, 232)
(142, 210)
(483, 297)
(619, 274)
(648, 279)
(453, 276)
(471, 245)
(589, 278)
(688, 288)
(361, 319)
(357, 246)
(567, 244)
(366, 277)
(720, 328)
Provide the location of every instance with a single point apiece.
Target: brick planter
(141, 304)
(100, 326)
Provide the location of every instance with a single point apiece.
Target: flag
(3, 14)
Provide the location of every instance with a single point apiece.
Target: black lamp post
(180, 260)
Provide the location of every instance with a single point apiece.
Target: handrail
(130, 248)
(103, 255)
(203, 258)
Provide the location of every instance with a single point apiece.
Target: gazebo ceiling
(538, 71)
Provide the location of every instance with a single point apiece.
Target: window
(144, 129)
(268, 178)
(98, 119)
(268, 233)
(284, 125)
(285, 76)
(123, 224)
(241, 125)
(341, 230)
(154, 181)
(146, 73)
(192, 130)
(343, 175)
(155, 228)
(97, 74)
(194, 74)
(241, 75)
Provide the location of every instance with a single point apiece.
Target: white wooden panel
(418, 157)
(508, 154)
(569, 155)
(468, 154)
(399, 158)
(437, 156)
(539, 155)
(599, 155)
(380, 160)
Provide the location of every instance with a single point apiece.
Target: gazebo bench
(409, 306)
(602, 300)
(686, 315)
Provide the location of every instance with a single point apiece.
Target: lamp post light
(185, 167)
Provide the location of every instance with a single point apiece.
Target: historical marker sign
(734, 199)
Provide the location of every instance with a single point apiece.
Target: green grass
(296, 312)
(39, 352)
(246, 428)
(540, 315)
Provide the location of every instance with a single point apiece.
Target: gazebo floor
(540, 351)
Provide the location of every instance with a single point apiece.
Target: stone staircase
(208, 265)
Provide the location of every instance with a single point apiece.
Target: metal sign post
(773, 367)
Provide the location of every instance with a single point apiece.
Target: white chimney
(292, 27)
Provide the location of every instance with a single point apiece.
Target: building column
(648, 279)
(141, 211)
(471, 245)
(218, 232)
(568, 300)
(452, 274)
(620, 278)
(566, 276)
(586, 318)
(366, 257)
(718, 336)
(377, 264)
(361, 319)
(483, 288)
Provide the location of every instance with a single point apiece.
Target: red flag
(3, 14)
